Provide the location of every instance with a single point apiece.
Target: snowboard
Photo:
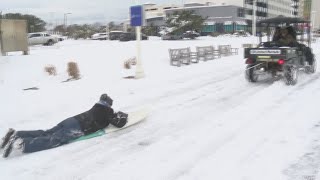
(134, 117)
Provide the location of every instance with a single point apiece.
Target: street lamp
(32, 28)
(313, 18)
(51, 24)
(1, 43)
(65, 20)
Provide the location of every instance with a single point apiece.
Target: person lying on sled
(97, 118)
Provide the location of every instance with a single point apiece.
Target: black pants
(308, 53)
(63, 133)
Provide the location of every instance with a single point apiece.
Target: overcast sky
(83, 11)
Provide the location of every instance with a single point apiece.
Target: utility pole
(313, 18)
(51, 24)
(254, 18)
(1, 42)
(139, 69)
(107, 32)
(65, 20)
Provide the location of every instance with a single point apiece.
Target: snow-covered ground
(207, 122)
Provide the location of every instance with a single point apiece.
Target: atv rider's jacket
(98, 117)
(287, 41)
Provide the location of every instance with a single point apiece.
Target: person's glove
(120, 119)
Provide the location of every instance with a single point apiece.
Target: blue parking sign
(136, 16)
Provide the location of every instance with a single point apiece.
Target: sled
(134, 117)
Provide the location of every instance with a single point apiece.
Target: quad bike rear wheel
(291, 75)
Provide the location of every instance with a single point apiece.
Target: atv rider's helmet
(104, 98)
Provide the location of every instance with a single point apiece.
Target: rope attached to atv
(255, 65)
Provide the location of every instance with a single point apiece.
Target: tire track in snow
(214, 83)
(307, 166)
(246, 125)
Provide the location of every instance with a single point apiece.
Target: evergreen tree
(184, 20)
(34, 23)
(151, 30)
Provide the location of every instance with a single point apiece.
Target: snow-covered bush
(73, 70)
(50, 69)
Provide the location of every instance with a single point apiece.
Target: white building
(315, 14)
(280, 7)
(218, 2)
(154, 10)
(310, 10)
(265, 8)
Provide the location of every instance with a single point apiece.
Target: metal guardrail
(185, 56)
(180, 56)
(227, 50)
(206, 53)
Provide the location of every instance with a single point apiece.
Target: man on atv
(287, 37)
(276, 34)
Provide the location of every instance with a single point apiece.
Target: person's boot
(310, 58)
(14, 147)
(7, 137)
(311, 61)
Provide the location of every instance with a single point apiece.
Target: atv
(275, 59)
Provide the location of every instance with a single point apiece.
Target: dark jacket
(288, 40)
(98, 117)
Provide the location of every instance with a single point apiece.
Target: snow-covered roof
(153, 17)
(149, 3)
(193, 7)
(210, 23)
(228, 22)
(241, 22)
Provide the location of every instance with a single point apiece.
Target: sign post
(1, 41)
(137, 20)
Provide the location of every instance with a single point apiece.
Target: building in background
(295, 8)
(316, 13)
(217, 2)
(305, 9)
(225, 15)
(265, 8)
(310, 10)
(300, 8)
(155, 14)
(281, 7)
(219, 18)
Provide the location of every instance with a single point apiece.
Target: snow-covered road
(207, 121)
